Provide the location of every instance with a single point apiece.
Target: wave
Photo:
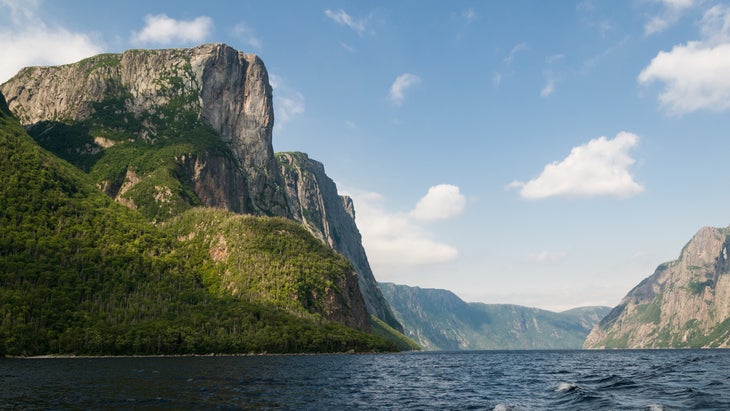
(566, 387)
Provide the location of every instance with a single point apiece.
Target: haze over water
(499, 380)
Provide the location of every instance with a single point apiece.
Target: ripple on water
(518, 380)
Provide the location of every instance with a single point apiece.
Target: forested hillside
(81, 274)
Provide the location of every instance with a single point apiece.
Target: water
(487, 380)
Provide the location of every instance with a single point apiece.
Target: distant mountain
(439, 320)
(684, 304)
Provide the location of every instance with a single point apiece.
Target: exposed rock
(685, 303)
(315, 202)
(217, 181)
(143, 89)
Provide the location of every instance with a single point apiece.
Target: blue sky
(547, 154)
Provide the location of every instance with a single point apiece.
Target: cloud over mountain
(26, 40)
(401, 239)
(163, 30)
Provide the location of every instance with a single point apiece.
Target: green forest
(83, 275)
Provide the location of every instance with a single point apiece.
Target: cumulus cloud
(694, 75)
(343, 19)
(288, 103)
(395, 240)
(442, 201)
(163, 30)
(26, 40)
(597, 168)
(400, 85)
(247, 34)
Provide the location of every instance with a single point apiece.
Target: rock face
(154, 93)
(685, 303)
(314, 201)
(439, 320)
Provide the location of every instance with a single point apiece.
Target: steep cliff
(439, 320)
(207, 112)
(685, 303)
(314, 201)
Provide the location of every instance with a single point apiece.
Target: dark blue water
(512, 380)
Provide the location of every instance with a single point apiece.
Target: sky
(543, 153)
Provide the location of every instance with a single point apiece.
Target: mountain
(165, 131)
(684, 304)
(439, 320)
(160, 130)
(315, 202)
(82, 274)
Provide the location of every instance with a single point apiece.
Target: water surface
(492, 380)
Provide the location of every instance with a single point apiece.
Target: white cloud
(597, 168)
(398, 240)
(505, 69)
(247, 34)
(715, 25)
(342, 18)
(671, 12)
(442, 201)
(163, 30)
(347, 47)
(543, 257)
(548, 88)
(288, 103)
(469, 15)
(400, 85)
(554, 58)
(515, 50)
(26, 40)
(695, 74)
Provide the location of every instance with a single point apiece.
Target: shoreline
(72, 356)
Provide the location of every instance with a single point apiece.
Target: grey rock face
(315, 202)
(685, 303)
(227, 89)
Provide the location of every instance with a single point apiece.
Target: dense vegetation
(80, 274)
(267, 259)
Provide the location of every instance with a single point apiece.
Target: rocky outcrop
(685, 303)
(153, 94)
(314, 201)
